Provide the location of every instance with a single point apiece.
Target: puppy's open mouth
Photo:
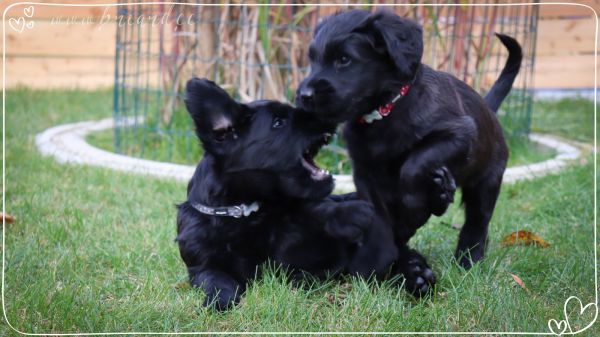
(308, 158)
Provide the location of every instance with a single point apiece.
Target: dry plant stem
(175, 85)
(246, 57)
(252, 72)
(243, 85)
(222, 35)
(268, 74)
(294, 60)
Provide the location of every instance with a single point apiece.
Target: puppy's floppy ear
(402, 38)
(211, 107)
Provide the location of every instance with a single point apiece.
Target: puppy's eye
(278, 123)
(343, 61)
(222, 134)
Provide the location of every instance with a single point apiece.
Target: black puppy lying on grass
(413, 133)
(257, 194)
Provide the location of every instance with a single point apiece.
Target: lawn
(92, 250)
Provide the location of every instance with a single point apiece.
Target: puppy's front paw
(419, 278)
(222, 299)
(351, 220)
(442, 192)
(221, 290)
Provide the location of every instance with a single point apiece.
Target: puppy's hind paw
(466, 257)
(442, 192)
(418, 276)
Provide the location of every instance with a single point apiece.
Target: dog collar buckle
(384, 110)
(236, 211)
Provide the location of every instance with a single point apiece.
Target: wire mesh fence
(261, 52)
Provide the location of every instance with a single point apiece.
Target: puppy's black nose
(306, 94)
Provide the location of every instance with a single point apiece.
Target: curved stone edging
(67, 144)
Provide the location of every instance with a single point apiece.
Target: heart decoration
(582, 310)
(556, 327)
(28, 11)
(18, 25)
(560, 327)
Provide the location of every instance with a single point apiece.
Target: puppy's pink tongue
(316, 173)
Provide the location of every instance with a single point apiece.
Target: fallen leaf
(519, 281)
(330, 297)
(346, 286)
(7, 217)
(524, 238)
(340, 296)
(182, 285)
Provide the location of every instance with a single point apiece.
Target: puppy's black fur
(441, 134)
(262, 152)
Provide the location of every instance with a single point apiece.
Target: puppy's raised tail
(502, 87)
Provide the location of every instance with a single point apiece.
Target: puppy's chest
(248, 240)
(378, 144)
(229, 229)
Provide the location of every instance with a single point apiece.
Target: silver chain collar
(237, 211)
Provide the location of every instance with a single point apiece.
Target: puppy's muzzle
(313, 93)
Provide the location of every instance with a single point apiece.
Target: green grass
(92, 251)
(572, 118)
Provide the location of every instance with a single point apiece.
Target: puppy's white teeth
(320, 174)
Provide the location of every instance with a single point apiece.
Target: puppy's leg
(480, 200)
(426, 182)
(307, 253)
(376, 254)
(220, 288)
(419, 278)
(350, 220)
(346, 220)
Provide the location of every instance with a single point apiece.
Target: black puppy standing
(258, 194)
(413, 133)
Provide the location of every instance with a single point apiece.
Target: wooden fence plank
(48, 39)
(571, 71)
(560, 37)
(568, 10)
(59, 72)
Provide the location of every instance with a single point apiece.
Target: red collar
(385, 109)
